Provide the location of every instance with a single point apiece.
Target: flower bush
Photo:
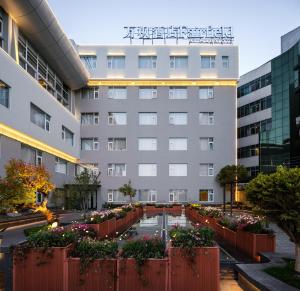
(252, 224)
(99, 216)
(229, 223)
(210, 211)
(143, 249)
(83, 230)
(195, 206)
(127, 207)
(192, 237)
(121, 214)
(89, 250)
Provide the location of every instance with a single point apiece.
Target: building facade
(162, 116)
(269, 111)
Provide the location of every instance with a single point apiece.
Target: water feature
(158, 225)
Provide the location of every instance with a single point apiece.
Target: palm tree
(127, 190)
(231, 175)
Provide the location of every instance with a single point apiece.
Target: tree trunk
(297, 256)
(224, 199)
(231, 198)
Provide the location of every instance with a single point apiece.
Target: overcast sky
(257, 24)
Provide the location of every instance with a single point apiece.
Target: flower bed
(194, 260)
(143, 266)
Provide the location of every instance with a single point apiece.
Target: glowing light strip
(26, 139)
(157, 82)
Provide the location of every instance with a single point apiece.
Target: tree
(22, 182)
(127, 190)
(84, 183)
(278, 195)
(231, 175)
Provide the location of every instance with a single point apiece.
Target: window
(178, 62)
(90, 118)
(206, 143)
(90, 93)
(178, 118)
(116, 170)
(225, 62)
(206, 92)
(255, 128)
(206, 170)
(89, 61)
(89, 144)
(254, 85)
(147, 170)
(248, 151)
(146, 195)
(178, 93)
(206, 195)
(116, 62)
(261, 104)
(178, 144)
(177, 195)
(206, 118)
(31, 156)
(1, 27)
(60, 166)
(208, 62)
(117, 118)
(39, 117)
(148, 93)
(4, 94)
(177, 170)
(117, 144)
(117, 93)
(147, 144)
(116, 196)
(147, 62)
(147, 118)
(67, 135)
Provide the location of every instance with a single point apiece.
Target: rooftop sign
(206, 35)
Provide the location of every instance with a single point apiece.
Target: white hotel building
(162, 116)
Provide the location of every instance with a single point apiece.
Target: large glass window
(67, 135)
(30, 155)
(61, 166)
(206, 118)
(177, 170)
(116, 196)
(148, 93)
(147, 62)
(117, 93)
(147, 118)
(116, 62)
(39, 117)
(206, 170)
(90, 93)
(147, 144)
(89, 61)
(91, 118)
(255, 128)
(116, 170)
(90, 144)
(178, 62)
(147, 170)
(117, 118)
(255, 106)
(206, 92)
(178, 93)
(117, 144)
(206, 195)
(254, 85)
(177, 144)
(248, 151)
(208, 62)
(178, 118)
(4, 94)
(177, 195)
(225, 62)
(147, 195)
(206, 143)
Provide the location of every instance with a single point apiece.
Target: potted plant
(93, 266)
(41, 262)
(194, 260)
(142, 265)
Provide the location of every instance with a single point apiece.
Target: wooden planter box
(105, 228)
(252, 244)
(121, 224)
(219, 229)
(41, 270)
(230, 236)
(151, 276)
(101, 275)
(198, 272)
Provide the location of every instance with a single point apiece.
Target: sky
(257, 24)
